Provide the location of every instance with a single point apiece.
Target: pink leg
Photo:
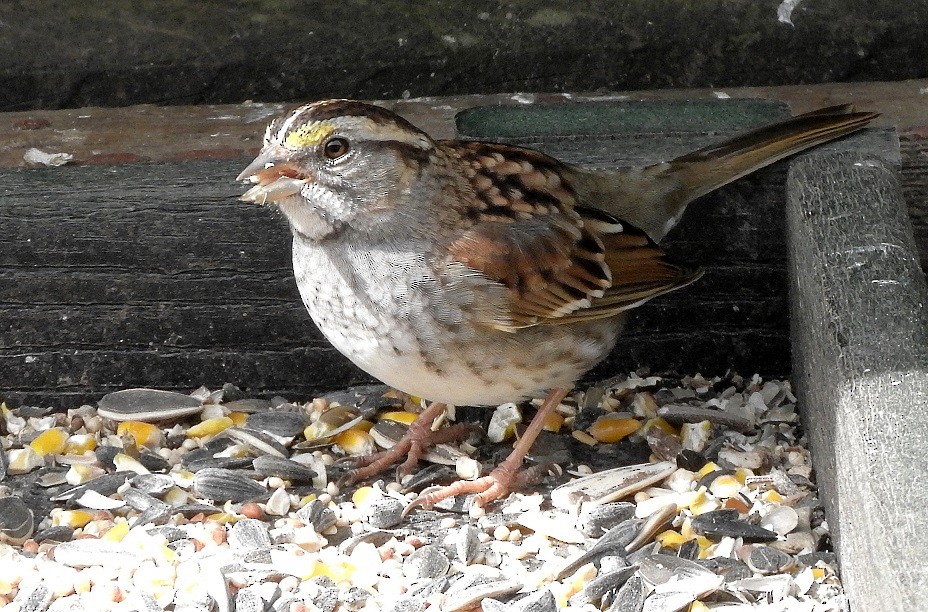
(508, 475)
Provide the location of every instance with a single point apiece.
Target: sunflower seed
(227, 485)
(148, 405)
(270, 465)
(426, 562)
(611, 485)
(277, 422)
(89, 552)
(16, 520)
(249, 534)
(264, 444)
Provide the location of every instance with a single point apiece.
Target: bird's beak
(274, 178)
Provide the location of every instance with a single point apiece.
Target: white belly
(386, 330)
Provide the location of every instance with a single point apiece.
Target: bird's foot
(505, 478)
(409, 449)
(508, 475)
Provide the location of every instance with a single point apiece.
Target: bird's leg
(410, 447)
(508, 475)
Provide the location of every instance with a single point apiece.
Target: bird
(478, 273)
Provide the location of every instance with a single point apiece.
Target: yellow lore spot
(308, 135)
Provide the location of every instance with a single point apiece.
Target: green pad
(617, 117)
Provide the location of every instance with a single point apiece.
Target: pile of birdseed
(691, 494)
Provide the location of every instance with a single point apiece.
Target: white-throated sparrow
(475, 273)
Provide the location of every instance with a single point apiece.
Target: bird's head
(337, 163)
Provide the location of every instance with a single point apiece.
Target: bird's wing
(559, 261)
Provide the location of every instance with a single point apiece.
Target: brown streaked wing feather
(538, 261)
(558, 260)
(640, 270)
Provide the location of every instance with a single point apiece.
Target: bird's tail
(655, 197)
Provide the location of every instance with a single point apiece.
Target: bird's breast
(377, 310)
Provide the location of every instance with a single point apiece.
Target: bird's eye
(335, 148)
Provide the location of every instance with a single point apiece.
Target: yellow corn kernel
(742, 474)
(356, 442)
(117, 532)
(671, 539)
(79, 474)
(238, 418)
(698, 606)
(686, 529)
(82, 583)
(210, 427)
(706, 470)
(725, 486)
(50, 442)
(323, 428)
(225, 518)
(554, 422)
(364, 426)
(339, 572)
(698, 502)
(303, 567)
(175, 496)
(23, 460)
(307, 499)
(169, 557)
(704, 545)
(609, 430)
(662, 425)
(78, 444)
(364, 495)
(578, 581)
(707, 504)
(145, 434)
(561, 592)
(125, 463)
(70, 518)
(772, 497)
(400, 416)
(818, 573)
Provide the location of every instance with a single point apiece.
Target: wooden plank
(177, 133)
(110, 136)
